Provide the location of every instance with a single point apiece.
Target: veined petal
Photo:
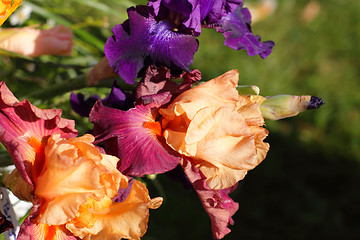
(133, 136)
(107, 219)
(238, 35)
(219, 206)
(24, 128)
(142, 37)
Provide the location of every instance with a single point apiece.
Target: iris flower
(163, 34)
(76, 190)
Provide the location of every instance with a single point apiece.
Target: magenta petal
(122, 132)
(21, 121)
(219, 206)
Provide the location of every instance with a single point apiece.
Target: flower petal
(74, 171)
(142, 37)
(141, 151)
(115, 220)
(238, 35)
(158, 80)
(219, 206)
(24, 128)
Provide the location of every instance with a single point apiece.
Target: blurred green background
(308, 185)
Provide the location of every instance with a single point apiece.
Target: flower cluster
(87, 187)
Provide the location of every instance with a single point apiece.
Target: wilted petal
(159, 79)
(24, 128)
(238, 35)
(219, 206)
(142, 37)
(135, 137)
(107, 219)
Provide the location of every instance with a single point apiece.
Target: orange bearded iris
(217, 129)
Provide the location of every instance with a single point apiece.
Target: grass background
(308, 185)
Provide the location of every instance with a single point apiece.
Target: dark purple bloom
(135, 136)
(143, 39)
(227, 16)
(237, 31)
(116, 99)
(81, 105)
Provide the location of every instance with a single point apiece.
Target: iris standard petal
(236, 29)
(142, 38)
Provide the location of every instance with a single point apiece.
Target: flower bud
(283, 106)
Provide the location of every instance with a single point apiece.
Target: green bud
(283, 106)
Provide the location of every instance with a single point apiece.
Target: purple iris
(163, 34)
(142, 40)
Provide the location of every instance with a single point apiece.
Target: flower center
(155, 127)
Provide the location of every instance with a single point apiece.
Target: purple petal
(219, 206)
(81, 105)
(123, 193)
(143, 38)
(180, 12)
(216, 11)
(238, 35)
(140, 150)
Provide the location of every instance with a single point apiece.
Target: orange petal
(102, 220)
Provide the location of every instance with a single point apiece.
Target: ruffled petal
(220, 92)
(74, 171)
(142, 37)
(133, 136)
(238, 35)
(24, 128)
(217, 129)
(219, 206)
(108, 219)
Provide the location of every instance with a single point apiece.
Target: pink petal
(219, 206)
(140, 150)
(24, 127)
